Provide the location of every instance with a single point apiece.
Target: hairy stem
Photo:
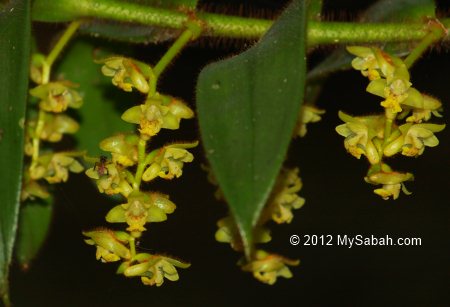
(223, 25)
(173, 51)
(62, 42)
(437, 31)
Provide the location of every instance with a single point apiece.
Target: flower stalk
(50, 124)
(130, 164)
(381, 136)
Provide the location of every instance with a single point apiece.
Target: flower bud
(268, 267)
(151, 172)
(394, 147)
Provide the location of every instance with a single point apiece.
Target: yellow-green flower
(140, 209)
(365, 61)
(55, 167)
(360, 134)
(229, 233)
(398, 93)
(392, 183)
(422, 109)
(268, 267)
(169, 161)
(57, 96)
(127, 73)
(286, 199)
(308, 114)
(161, 112)
(55, 125)
(111, 245)
(154, 268)
(32, 189)
(375, 64)
(418, 136)
(123, 148)
(110, 179)
(413, 139)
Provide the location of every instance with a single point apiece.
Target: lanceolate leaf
(34, 224)
(100, 113)
(14, 59)
(247, 108)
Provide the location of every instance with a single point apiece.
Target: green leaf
(381, 11)
(315, 10)
(103, 103)
(247, 108)
(14, 59)
(34, 224)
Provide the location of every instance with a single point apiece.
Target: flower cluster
(266, 267)
(379, 136)
(115, 246)
(308, 114)
(130, 163)
(48, 124)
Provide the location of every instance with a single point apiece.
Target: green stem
(37, 138)
(348, 32)
(173, 51)
(132, 247)
(437, 31)
(141, 164)
(130, 177)
(223, 25)
(56, 51)
(45, 79)
(390, 119)
(387, 130)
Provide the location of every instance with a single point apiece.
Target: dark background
(338, 201)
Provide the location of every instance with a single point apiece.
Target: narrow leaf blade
(34, 225)
(247, 108)
(14, 59)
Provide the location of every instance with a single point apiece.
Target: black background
(338, 201)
